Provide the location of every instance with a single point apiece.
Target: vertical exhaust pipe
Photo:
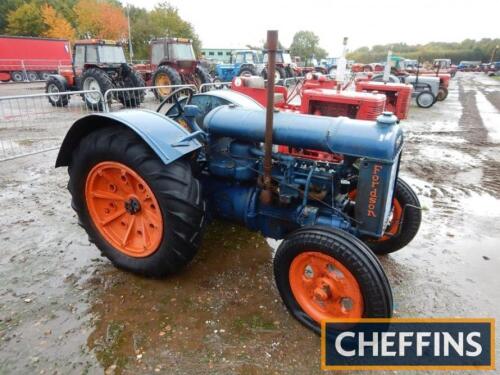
(341, 66)
(272, 46)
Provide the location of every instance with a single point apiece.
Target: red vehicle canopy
(37, 54)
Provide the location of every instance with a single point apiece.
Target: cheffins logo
(408, 344)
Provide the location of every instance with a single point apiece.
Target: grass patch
(254, 322)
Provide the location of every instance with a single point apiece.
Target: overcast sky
(235, 23)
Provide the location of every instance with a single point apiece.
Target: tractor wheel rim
(124, 209)
(91, 84)
(163, 80)
(52, 89)
(324, 288)
(394, 222)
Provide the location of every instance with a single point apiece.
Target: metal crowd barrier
(140, 97)
(30, 124)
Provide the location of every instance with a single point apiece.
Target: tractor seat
(257, 82)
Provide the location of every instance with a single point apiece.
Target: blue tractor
(144, 185)
(246, 62)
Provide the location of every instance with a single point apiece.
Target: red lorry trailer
(32, 59)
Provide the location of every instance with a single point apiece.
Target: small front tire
(425, 99)
(54, 86)
(402, 229)
(325, 273)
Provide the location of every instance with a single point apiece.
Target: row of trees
(469, 50)
(306, 45)
(106, 19)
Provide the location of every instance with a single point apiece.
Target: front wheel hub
(324, 288)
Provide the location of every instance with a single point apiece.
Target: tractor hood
(377, 140)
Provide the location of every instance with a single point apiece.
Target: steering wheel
(174, 95)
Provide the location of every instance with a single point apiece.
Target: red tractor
(398, 95)
(172, 62)
(98, 65)
(285, 68)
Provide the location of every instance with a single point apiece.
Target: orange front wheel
(325, 273)
(404, 221)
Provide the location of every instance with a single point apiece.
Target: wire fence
(38, 122)
(35, 123)
(144, 97)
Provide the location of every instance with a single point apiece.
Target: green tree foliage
(98, 18)
(306, 44)
(7, 6)
(25, 20)
(468, 49)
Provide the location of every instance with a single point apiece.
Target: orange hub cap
(324, 288)
(124, 209)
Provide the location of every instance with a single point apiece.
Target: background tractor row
(97, 65)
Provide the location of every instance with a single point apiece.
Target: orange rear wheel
(324, 288)
(124, 209)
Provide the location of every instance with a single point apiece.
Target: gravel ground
(64, 309)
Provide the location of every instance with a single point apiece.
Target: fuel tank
(380, 140)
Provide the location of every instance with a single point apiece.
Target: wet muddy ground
(64, 309)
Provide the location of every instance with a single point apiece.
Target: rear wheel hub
(124, 209)
(132, 206)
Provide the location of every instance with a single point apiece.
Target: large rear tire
(280, 74)
(133, 97)
(325, 273)
(202, 76)
(147, 218)
(165, 76)
(95, 79)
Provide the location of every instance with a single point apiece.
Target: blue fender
(166, 138)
